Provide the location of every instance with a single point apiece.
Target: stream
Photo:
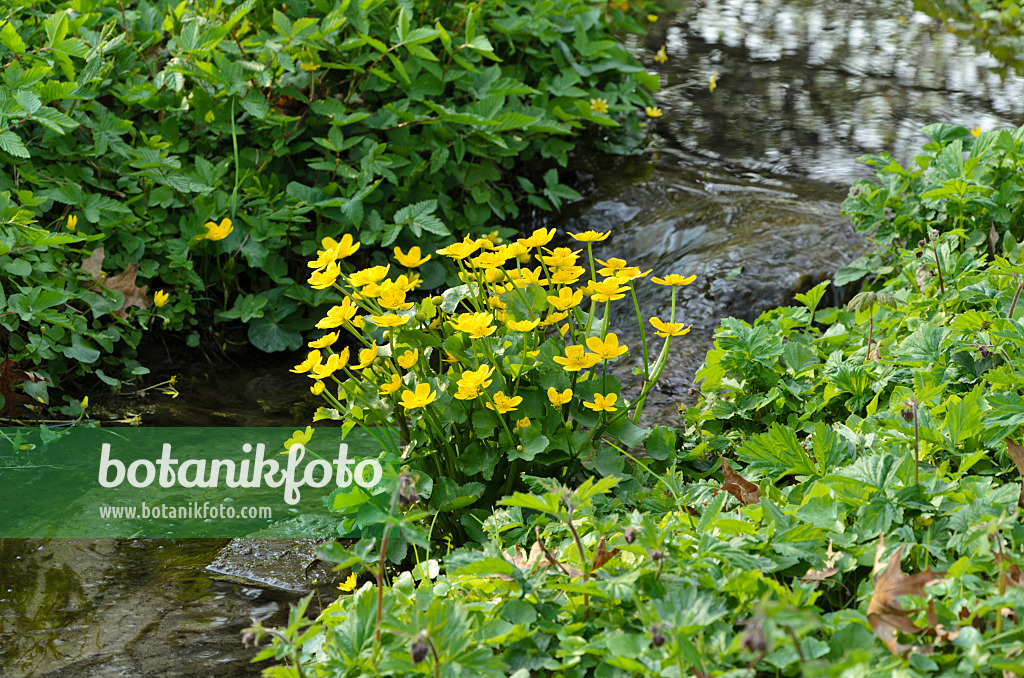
(740, 187)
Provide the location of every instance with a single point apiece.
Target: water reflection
(804, 88)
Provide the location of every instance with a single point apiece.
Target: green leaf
(11, 39)
(11, 143)
(269, 336)
(777, 453)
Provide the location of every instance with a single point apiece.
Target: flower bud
(657, 637)
(656, 555)
(419, 649)
(629, 534)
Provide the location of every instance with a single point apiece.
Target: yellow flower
(553, 318)
(567, 276)
(366, 357)
(523, 423)
(589, 236)
(539, 238)
(476, 379)
(218, 231)
(160, 298)
(669, 329)
(603, 403)
(476, 325)
(608, 289)
(566, 299)
(523, 325)
(609, 349)
(421, 397)
(713, 82)
(346, 247)
(631, 273)
(502, 403)
(321, 280)
(467, 393)
(334, 363)
(349, 584)
(337, 315)
(674, 280)
(324, 341)
(408, 359)
(389, 320)
(976, 132)
(561, 257)
(368, 276)
(85, 402)
(661, 57)
(392, 385)
(393, 299)
(558, 399)
(412, 259)
(653, 111)
(301, 437)
(599, 105)
(611, 266)
(317, 388)
(576, 359)
(72, 222)
(652, 17)
(311, 361)
(460, 250)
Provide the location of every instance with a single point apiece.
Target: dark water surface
(741, 188)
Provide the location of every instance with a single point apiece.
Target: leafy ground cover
(174, 165)
(843, 501)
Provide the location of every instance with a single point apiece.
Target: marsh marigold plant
(497, 379)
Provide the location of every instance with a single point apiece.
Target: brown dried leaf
(602, 555)
(885, 614)
(123, 282)
(816, 576)
(873, 354)
(1016, 452)
(10, 375)
(747, 492)
(538, 556)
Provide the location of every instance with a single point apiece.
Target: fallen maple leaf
(602, 555)
(123, 282)
(1016, 452)
(747, 492)
(9, 376)
(885, 614)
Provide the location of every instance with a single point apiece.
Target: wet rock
(286, 564)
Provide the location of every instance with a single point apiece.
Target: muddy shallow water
(741, 188)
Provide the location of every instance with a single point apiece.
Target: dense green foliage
(397, 122)
(866, 457)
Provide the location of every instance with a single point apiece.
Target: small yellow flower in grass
(218, 231)
(502, 403)
(317, 388)
(566, 299)
(669, 329)
(338, 315)
(160, 298)
(590, 236)
(713, 82)
(653, 111)
(577, 359)
(674, 280)
(366, 357)
(603, 403)
(349, 584)
(539, 238)
(476, 325)
(312, 360)
(523, 325)
(662, 56)
(412, 258)
(976, 132)
(324, 341)
(334, 363)
(346, 247)
(558, 399)
(599, 105)
(608, 289)
(322, 279)
(368, 276)
(609, 348)
(391, 385)
(421, 397)
(389, 320)
(72, 222)
(408, 359)
(460, 250)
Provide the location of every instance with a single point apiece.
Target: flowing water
(741, 188)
